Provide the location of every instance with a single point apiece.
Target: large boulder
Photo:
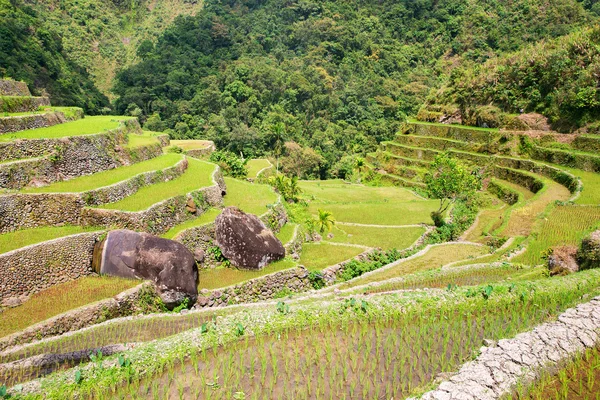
(562, 260)
(169, 264)
(245, 241)
(589, 252)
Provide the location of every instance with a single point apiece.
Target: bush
(588, 254)
(231, 164)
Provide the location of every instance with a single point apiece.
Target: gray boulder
(245, 241)
(169, 264)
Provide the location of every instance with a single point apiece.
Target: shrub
(231, 164)
(588, 254)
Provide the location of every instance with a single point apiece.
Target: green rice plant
(85, 126)
(221, 277)
(316, 256)
(206, 218)
(256, 165)
(107, 178)
(25, 237)
(564, 225)
(385, 238)
(286, 233)
(250, 197)
(196, 176)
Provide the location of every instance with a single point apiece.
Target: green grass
(16, 240)
(59, 299)
(190, 144)
(135, 140)
(368, 205)
(435, 257)
(198, 175)
(591, 186)
(339, 191)
(564, 225)
(110, 177)
(393, 213)
(316, 256)
(221, 277)
(386, 238)
(414, 121)
(85, 126)
(286, 233)
(256, 165)
(249, 197)
(206, 218)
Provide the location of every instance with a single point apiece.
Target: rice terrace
(300, 199)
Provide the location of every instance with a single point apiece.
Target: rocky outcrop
(499, 369)
(589, 253)
(245, 240)
(562, 260)
(135, 255)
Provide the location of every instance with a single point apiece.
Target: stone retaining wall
(72, 157)
(19, 211)
(34, 121)
(497, 371)
(201, 153)
(122, 305)
(9, 87)
(519, 178)
(272, 286)
(164, 140)
(34, 268)
(17, 104)
(162, 216)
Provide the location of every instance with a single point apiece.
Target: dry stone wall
(162, 216)
(17, 104)
(497, 371)
(34, 121)
(200, 153)
(19, 211)
(122, 305)
(9, 87)
(70, 157)
(31, 269)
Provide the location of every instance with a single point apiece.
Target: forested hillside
(339, 75)
(557, 78)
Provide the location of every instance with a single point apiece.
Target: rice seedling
(221, 277)
(85, 126)
(197, 175)
(316, 256)
(286, 233)
(25, 237)
(250, 197)
(391, 355)
(564, 225)
(385, 238)
(257, 165)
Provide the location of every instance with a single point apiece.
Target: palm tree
(325, 221)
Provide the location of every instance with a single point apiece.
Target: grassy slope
(190, 144)
(59, 299)
(110, 177)
(16, 240)
(136, 140)
(198, 175)
(85, 126)
(286, 233)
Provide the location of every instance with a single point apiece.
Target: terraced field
(377, 283)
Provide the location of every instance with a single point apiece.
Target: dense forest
(35, 54)
(332, 76)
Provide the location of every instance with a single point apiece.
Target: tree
(278, 131)
(449, 180)
(325, 221)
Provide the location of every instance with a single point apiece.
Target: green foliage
(316, 280)
(283, 308)
(375, 260)
(287, 187)
(463, 216)
(231, 164)
(325, 221)
(449, 180)
(33, 52)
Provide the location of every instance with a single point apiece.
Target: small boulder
(199, 255)
(169, 264)
(588, 255)
(245, 240)
(562, 260)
